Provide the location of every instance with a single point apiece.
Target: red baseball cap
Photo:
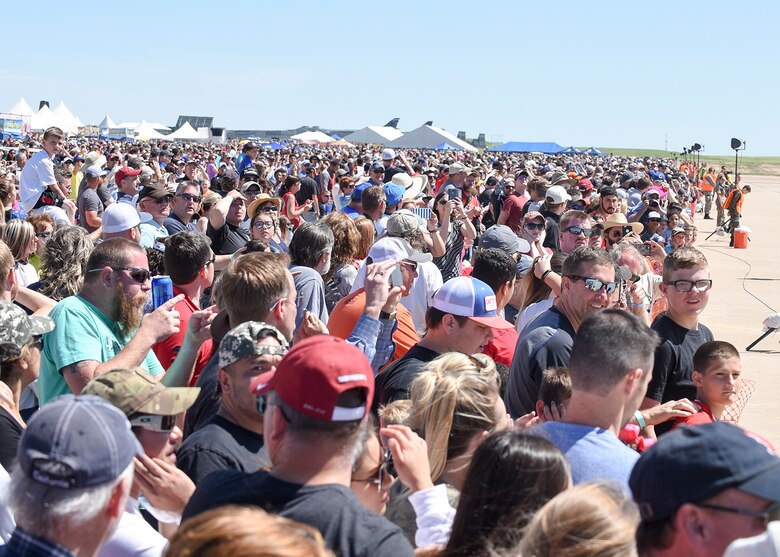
(314, 373)
(125, 172)
(585, 185)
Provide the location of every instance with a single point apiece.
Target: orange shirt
(345, 316)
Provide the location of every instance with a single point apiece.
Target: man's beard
(129, 311)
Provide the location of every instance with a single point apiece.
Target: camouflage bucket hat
(134, 391)
(241, 342)
(17, 328)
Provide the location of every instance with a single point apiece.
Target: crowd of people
(367, 352)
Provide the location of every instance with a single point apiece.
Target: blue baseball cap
(77, 441)
(472, 298)
(357, 193)
(394, 193)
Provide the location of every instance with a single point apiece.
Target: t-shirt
(514, 206)
(174, 224)
(349, 529)
(674, 362)
(307, 191)
(219, 445)
(703, 416)
(81, 332)
(449, 263)
(345, 316)
(37, 175)
(133, 536)
(207, 402)
(394, 381)
(150, 231)
(502, 347)
(88, 200)
(228, 239)
(339, 285)
(10, 432)
(593, 453)
(167, 350)
(545, 343)
(311, 293)
(551, 229)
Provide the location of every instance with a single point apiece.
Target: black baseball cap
(694, 463)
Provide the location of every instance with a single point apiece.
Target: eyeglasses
(595, 284)
(190, 197)
(37, 342)
(260, 225)
(43, 235)
(687, 285)
(210, 261)
(534, 225)
(587, 232)
(154, 422)
(411, 265)
(138, 274)
(379, 477)
(766, 516)
(164, 200)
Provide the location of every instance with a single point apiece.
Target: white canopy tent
(313, 137)
(145, 131)
(106, 123)
(65, 119)
(381, 135)
(429, 137)
(159, 126)
(22, 108)
(42, 119)
(186, 131)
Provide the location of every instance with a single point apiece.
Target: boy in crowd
(717, 368)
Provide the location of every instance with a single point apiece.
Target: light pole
(738, 145)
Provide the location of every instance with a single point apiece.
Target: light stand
(738, 145)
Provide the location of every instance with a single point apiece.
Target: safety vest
(705, 184)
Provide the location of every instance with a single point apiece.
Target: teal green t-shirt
(81, 332)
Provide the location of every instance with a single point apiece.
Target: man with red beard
(102, 327)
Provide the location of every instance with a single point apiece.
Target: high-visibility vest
(705, 184)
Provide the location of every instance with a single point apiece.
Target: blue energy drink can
(162, 290)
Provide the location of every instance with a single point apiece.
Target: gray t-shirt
(311, 293)
(593, 453)
(88, 200)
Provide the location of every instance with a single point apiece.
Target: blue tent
(594, 151)
(571, 151)
(272, 145)
(336, 137)
(528, 147)
(446, 147)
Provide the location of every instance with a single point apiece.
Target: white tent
(159, 126)
(65, 119)
(313, 137)
(145, 131)
(106, 123)
(185, 132)
(429, 137)
(381, 135)
(21, 108)
(128, 125)
(42, 119)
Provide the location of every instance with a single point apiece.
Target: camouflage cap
(241, 342)
(134, 391)
(17, 328)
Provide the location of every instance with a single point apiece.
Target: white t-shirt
(133, 536)
(37, 175)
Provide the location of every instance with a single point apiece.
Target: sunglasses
(37, 342)
(190, 197)
(578, 207)
(687, 285)
(261, 225)
(765, 516)
(411, 265)
(210, 261)
(268, 209)
(587, 232)
(262, 403)
(43, 235)
(534, 226)
(379, 477)
(595, 284)
(154, 422)
(164, 200)
(138, 274)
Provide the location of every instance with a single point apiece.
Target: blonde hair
(452, 400)
(245, 532)
(17, 234)
(395, 413)
(588, 520)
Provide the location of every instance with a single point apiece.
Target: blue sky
(616, 74)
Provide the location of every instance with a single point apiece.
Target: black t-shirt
(308, 189)
(10, 432)
(228, 239)
(207, 403)
(394, 381)
(349, 529)
(674, 362)
(551, 230)
(219, 445)
(391, 171)
(546, 342)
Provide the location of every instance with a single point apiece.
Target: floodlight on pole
(738, 145)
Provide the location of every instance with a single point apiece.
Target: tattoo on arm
(79, 367)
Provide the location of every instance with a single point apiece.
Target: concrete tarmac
(746, 290)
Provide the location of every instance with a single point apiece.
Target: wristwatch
(388, 316)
